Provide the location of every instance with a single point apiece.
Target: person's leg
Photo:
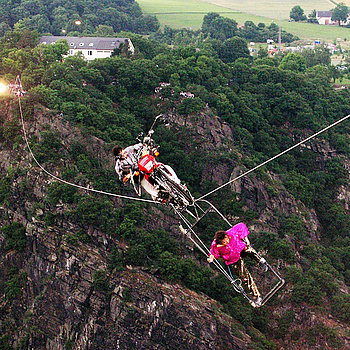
(246, 278)
(252, 253)
(229, 271)
(150, 189)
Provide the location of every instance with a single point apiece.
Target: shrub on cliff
(15, 237)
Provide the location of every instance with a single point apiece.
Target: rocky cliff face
(62, 305)
(64, 299)
(58, 292)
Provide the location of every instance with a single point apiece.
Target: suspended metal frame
(190, 217)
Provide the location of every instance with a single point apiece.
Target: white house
(90, 47)
(325, 17)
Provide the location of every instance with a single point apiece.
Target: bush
(5, 188)
(171, 267)
(92, 211)
(282, 249)
(308, 290)
(341, 307)
(5, 342)
(329, 335)
(100, 281)
(49, 148)
(15, 236)
(58, 190)
(293, 226)
(14, 284)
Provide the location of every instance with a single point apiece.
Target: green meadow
(274, 8)
(190, 13)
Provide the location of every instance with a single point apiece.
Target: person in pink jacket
(231, 246)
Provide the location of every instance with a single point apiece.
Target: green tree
(320, 55)
(312, 17)
(335, 73)
(104, 30)
(219, 27)
(294, 62)
(232, 49)
(340, 13)
(297, 14)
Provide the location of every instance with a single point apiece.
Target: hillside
(81, 271)
(189, 14)
(70, 284)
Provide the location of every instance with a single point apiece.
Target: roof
(324, 13)
(86, 42)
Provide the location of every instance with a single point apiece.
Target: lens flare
(4, 90)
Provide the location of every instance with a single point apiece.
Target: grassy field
(190, 13)
(346, 2)
(314, 31)
(273, 8)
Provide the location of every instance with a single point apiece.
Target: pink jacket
(231, 252)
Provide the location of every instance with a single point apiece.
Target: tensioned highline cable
(276, 156)
(64, 181)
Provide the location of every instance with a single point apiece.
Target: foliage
(100, 282)
(61, 17)
(312, 17)
(340, 13)
(301, 187)
(48, 148)
(294, 227)
(297, 14)
(14, 284)
(293, 62)
(5, 342)
(58, 191)
(5, 187)
(15, 236)
(98, 213)
(341, 307)
(284, 323)
(218, 27)
(319, 56)
(232, 49)
(328, 334)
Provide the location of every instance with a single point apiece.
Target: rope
(62, 180)
(275, 157)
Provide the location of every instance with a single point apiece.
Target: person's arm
(118, 170)
(126, 178)
(211, 258)
(213, 254)
(134, 152)
(122, 168)
(243, 234)
(138, 146)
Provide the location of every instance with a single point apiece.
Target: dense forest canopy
(270, 103)
(60, 17)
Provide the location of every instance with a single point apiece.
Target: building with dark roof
(325, 17)
(90, 47)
